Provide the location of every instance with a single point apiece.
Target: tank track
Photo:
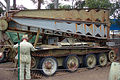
(37, 75)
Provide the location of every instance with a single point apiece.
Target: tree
(56, 4)
(60, 6)
(115, 10)
(14, 4)
(113, 7)
(98, 4)
(65, 7)
(79, 4)
(1, 10)
(7, 5)
(39, 3)
(50, 6)
(21, 7)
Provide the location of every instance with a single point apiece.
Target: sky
(30, 5)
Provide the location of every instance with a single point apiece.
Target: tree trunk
(39, 4)
(7, 5)
(14, 4)
(56, 4)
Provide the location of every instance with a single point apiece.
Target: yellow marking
(85, 27)
(100, 29)
(91, 27)
(55, 22)
(76, 27)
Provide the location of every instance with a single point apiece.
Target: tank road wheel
(33, 62)
(71, 63)
(48, 65)
(2, 56)
(112, 56)
(102, 59)
(90, 61)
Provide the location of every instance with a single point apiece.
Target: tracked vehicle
(67, 38)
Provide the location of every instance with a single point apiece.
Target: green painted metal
(18, 59)
(14, 38)
(67, 50)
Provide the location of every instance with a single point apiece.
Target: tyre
(2, 56)
(90, 61)
(71, 63)
(33, 62)
(112, 56)
(102, 59)
(48, 66)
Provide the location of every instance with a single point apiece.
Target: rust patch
(76, 27)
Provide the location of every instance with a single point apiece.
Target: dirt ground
(93, 74)
(97, 73)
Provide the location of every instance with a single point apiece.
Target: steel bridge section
(91, 15)
(74, 27)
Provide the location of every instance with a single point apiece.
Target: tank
(67, 38)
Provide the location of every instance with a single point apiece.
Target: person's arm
(32, 48)
(16, 51)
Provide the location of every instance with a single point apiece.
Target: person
(25, 57)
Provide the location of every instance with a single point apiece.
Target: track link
(36, 74)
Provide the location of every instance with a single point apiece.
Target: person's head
(25, 37)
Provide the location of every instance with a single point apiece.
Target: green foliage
(50, 6)
(98, 4)
(113, 7)
(65, 7)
